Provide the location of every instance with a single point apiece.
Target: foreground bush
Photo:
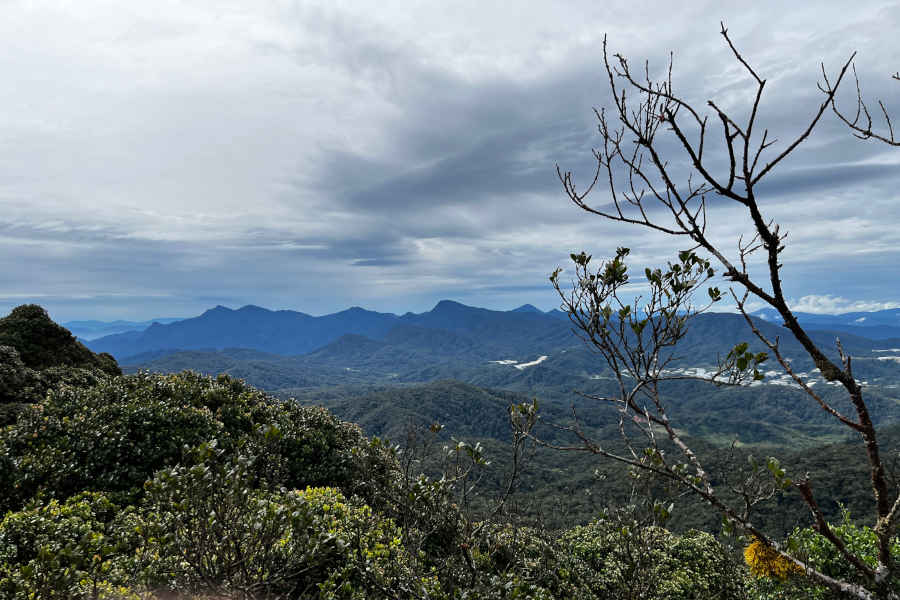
(110, 438)
(130, 486)
(213, 531)
(623, 558)
(79, 548)
(821, 555)
(204, 529)
(114, 434)
(522, 562)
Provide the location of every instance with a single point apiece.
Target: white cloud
(828, 304)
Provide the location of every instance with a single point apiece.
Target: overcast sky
(159, 158)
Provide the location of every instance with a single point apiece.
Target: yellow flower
(765, 561)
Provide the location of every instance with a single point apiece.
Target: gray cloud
(311, 157)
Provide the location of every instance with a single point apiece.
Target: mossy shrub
(215, 533)
(62, 550)
(115, 434)
(628, 559)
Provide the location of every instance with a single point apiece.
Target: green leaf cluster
(622, 557)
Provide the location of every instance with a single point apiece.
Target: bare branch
(863, 130)
(829, 100)
(824, 528)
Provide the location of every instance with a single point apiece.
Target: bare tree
(861, 122)
(636, 337)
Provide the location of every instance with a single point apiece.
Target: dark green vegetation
(117, 486)
(146, 485)
(563, 488)
(37, 355)
(42, 344)
(441, 371)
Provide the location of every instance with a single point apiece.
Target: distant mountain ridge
(93, 329)
(449, 329)
(289, 332)
(279, 332)
(876, 325)
(277, 349)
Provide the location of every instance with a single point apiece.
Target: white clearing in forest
(540, 359)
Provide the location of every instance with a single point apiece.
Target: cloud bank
(157, 160)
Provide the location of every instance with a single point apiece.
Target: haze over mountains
(93, 329)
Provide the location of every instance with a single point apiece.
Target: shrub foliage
(159, 486)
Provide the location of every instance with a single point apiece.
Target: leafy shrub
(822, 555)
(526, 563)
(221, 535)
(627, 559)
(53, 378)
(110, 437)
(62, 550)
(22, 385)
(309, 446)
(113, 436)
(15, 377)
(9, 412)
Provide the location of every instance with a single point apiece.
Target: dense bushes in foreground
(122, 487)
(146, 485)
(113, 436)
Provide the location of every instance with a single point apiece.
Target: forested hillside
(445, 369)
(143, 485)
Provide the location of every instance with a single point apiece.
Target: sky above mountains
(160, 158)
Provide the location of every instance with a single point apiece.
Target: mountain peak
(444, 305)
(249, 308)
(528, 308)
(219, 309)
